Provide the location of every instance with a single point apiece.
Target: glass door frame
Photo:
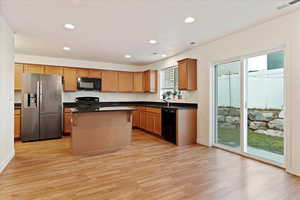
(244, 106)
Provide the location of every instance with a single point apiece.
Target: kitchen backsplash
(187, 97)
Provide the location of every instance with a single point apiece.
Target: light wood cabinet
(18, 76)
(187, 73)
(82, 72)
(67, 120)
(136, 119)
(34, 69)
(109, 81)
(150, 122)
(70, 79)
(17, 124)
(54, 70)
(95, 73)
(125, 81)
(150, 81)
(150, 119)
(143, 119)
(138, 81)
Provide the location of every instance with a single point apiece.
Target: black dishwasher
(169, 124)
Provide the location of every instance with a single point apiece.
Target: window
(169, 80)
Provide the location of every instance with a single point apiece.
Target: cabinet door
(182, 75)
(70, 79)
(18, 76)
(94, 73)
(34, 69)
(187, 74)
(54, 70)
(151, 81)
(109, 81)
(136, 119)
(17, 124)
(143, 120)
(157, 124)
(67, 121)
(82, 72)
(125, 83)
(138, 82)
(150, 122)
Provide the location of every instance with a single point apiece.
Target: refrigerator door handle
(38, 93)
(41, 92)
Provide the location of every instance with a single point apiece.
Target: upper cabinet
(82, 72)
(112, 81)
(70, 79)
(18, 76)
(125, 82)
(95, 73)
(54, 70)
(187, 73)
(109, 81)
(150, 81)
(34, 69)
(138, 81)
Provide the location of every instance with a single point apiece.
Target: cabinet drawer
(17, 111)
(67, 110)
(154, 110)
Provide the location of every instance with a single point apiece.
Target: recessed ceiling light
(163, 55)
(189, 20)
(127, 56)
(67, 48)
(152, 41)
(69, 26)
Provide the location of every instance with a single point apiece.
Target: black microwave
(84, 83)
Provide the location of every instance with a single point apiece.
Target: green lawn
(231, 137)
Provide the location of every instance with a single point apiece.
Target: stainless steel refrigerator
(41, 117)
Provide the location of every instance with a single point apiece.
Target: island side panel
(101, 132)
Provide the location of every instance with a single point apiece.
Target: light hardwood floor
(148, 169)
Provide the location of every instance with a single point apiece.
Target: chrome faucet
(168, 103)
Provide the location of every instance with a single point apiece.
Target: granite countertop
(178, 106)
(103, 109)
(142, 103)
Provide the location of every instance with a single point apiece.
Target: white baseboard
(5, 162)
(296, 173)
(199, 142)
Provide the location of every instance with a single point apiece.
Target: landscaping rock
(227, 125)
(258, 125)
(233, 120)
(221, 118)
(223, 111)
(270, 132)
(274, 133)
(276, 124)
(260, 115)
(234, 112)
(281, 114)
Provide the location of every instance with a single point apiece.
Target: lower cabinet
(148, 119)
(67, 120)
(17, 122)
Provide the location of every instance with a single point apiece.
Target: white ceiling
(106, 30)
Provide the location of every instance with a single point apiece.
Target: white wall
(6, 93)
(70, 96)
(281, 31)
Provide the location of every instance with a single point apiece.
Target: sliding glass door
(249, 106)
(227, 92)
(265, 97)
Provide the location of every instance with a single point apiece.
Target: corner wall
(6, 93)
(282, 31)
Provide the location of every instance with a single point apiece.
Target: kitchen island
(101, 130)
